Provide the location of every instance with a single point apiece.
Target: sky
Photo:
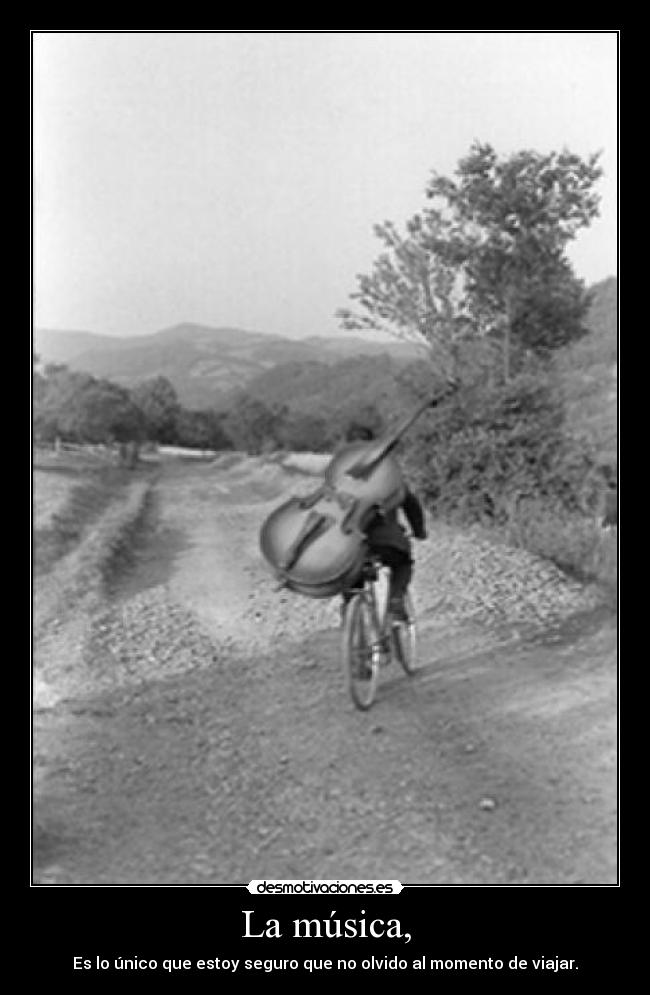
(233, 179)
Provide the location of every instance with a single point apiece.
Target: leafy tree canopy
(486, 259)
(157, 400)
(79, 407)
(253, 426)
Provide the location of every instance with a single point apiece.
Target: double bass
(315, 545)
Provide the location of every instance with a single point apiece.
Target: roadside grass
(120, 533)
(576, 544)
(68, 498)
(49, 495)
(79, 579)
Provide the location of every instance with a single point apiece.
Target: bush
(477, 455)
(302, 431)
(202, 429)
(572, 541)
(501, 457)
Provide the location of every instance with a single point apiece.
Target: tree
(102, 411)
(483, 270)
(253, 426)
(201, 429)
(510, 222)
(78, 407)
(413, 291)
(55, 392)
(306, 432)
(158, 402)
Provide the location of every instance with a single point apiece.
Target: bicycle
(372, 637)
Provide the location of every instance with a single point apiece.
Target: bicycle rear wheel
(361, 664)
(405, 638)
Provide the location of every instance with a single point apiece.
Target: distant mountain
(207, 364)
(204, 364)
(317, 387)
(58, 347)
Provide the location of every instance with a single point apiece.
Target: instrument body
(316, 545)
(314, 550)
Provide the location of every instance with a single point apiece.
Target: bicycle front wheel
(405, 638)
(361, 664)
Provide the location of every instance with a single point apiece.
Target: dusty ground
(192, 726)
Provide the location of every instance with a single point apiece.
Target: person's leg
(401, 572)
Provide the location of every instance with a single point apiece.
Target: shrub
(572, 541)
(477, 455)
(501, 457)
(302, 431)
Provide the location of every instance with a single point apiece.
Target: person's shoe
(397, 610)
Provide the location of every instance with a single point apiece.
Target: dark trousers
(401, 570)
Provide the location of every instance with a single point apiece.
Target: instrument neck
(393, 437)
(366, 464)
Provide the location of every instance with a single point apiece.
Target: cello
(315, 545)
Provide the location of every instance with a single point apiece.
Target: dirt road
(195, 728)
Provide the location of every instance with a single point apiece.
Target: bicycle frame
(375, 593)
(371, 637)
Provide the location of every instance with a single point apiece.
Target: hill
(332, 390)
(603, 313)
(204, 364)
(588, 373)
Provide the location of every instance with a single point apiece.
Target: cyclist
(387, 538)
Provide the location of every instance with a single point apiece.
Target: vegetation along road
(192, 724)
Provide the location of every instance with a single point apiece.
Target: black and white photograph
(324, 461)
